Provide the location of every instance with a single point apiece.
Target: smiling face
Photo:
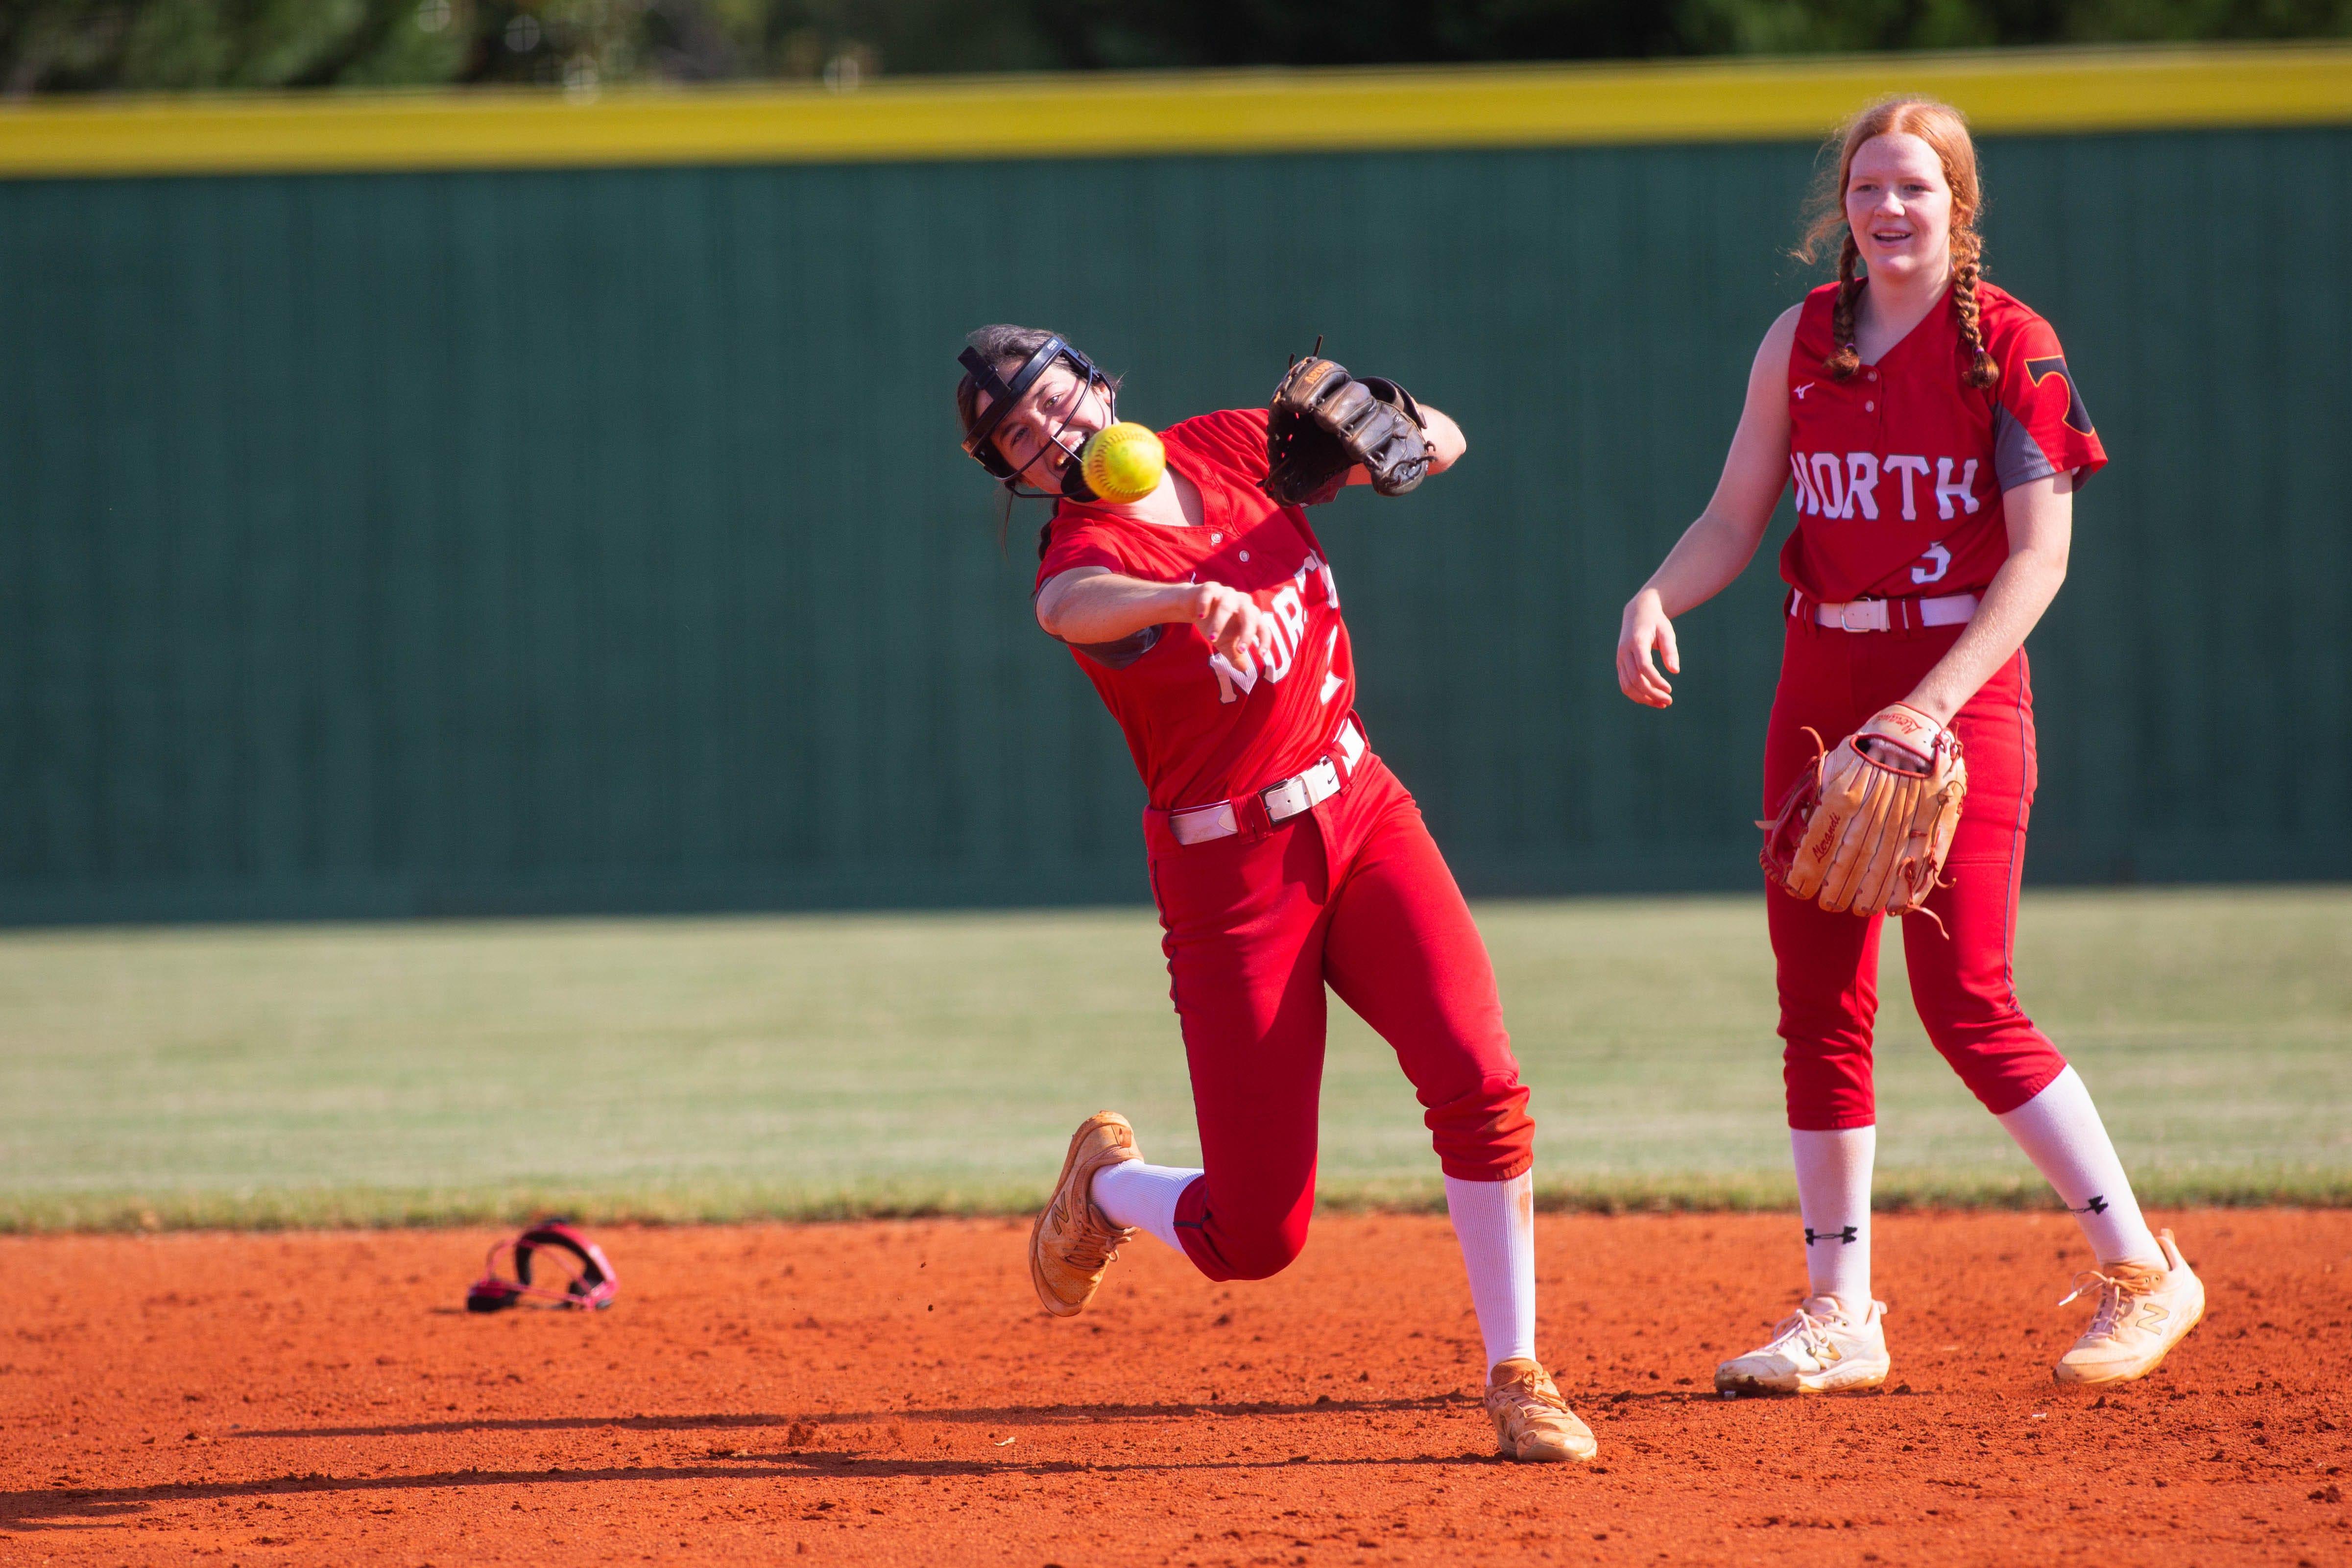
(1046, 427)
(1899, 206)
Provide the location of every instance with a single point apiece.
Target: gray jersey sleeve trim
(1124, 651)
(2017, 456)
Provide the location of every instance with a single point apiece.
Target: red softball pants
(1961, 976)
(1352, 894)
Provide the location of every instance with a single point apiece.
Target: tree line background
(83, 45)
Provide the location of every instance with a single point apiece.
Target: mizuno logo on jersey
(1848, 484)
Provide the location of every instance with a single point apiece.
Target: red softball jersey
(1200, 730)
(1899, 469)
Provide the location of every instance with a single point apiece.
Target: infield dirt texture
(888, 1392)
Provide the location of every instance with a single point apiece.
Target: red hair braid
(1845, 358)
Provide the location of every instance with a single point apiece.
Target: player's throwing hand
(1234, 625)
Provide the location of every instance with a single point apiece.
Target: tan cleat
(1072, 1243)
(1814, 1350)
(1532, 1421)
(2143, 1313)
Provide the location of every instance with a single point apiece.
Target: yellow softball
(1123, 462)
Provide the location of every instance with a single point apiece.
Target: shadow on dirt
(999, 1415)
(66, 1508)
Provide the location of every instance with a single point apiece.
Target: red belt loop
(1798, 613)
(1249, 814)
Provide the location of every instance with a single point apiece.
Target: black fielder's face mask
(1005, 394)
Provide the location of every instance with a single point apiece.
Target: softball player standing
(1283, 857)
(1932, 430)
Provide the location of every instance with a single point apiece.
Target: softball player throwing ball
(1932, 429)
(1284, 856)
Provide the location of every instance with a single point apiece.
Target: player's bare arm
(1719, 546)
(2040, 518)
(1089, 604)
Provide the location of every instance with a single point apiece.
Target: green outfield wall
(384, 541)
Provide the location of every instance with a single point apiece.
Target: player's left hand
(1644, 630)
(1866, 828)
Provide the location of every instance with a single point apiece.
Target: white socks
(1494, 1221)
(1495, 1224)
(1833, 1197)
(2061, 1133)
(1132, 1194)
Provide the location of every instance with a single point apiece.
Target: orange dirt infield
(890, 1394)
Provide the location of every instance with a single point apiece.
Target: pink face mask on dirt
(589, 1282)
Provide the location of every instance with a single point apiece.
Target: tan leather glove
(1866, 827)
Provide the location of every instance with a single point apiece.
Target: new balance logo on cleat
(2096, 1205)
(1851, 1233)
(2143, 1312)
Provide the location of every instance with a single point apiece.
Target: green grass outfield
(815, 1066)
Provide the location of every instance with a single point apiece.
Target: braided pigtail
(1845, 358)
(1982, 373)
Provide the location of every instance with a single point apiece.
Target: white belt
(1888, 615)
(1283, 800)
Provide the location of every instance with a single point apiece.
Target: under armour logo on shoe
(1851, 1233)
(2096, 1205)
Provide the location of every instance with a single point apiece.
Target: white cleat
(1814, 1350)
(2143, 1313)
